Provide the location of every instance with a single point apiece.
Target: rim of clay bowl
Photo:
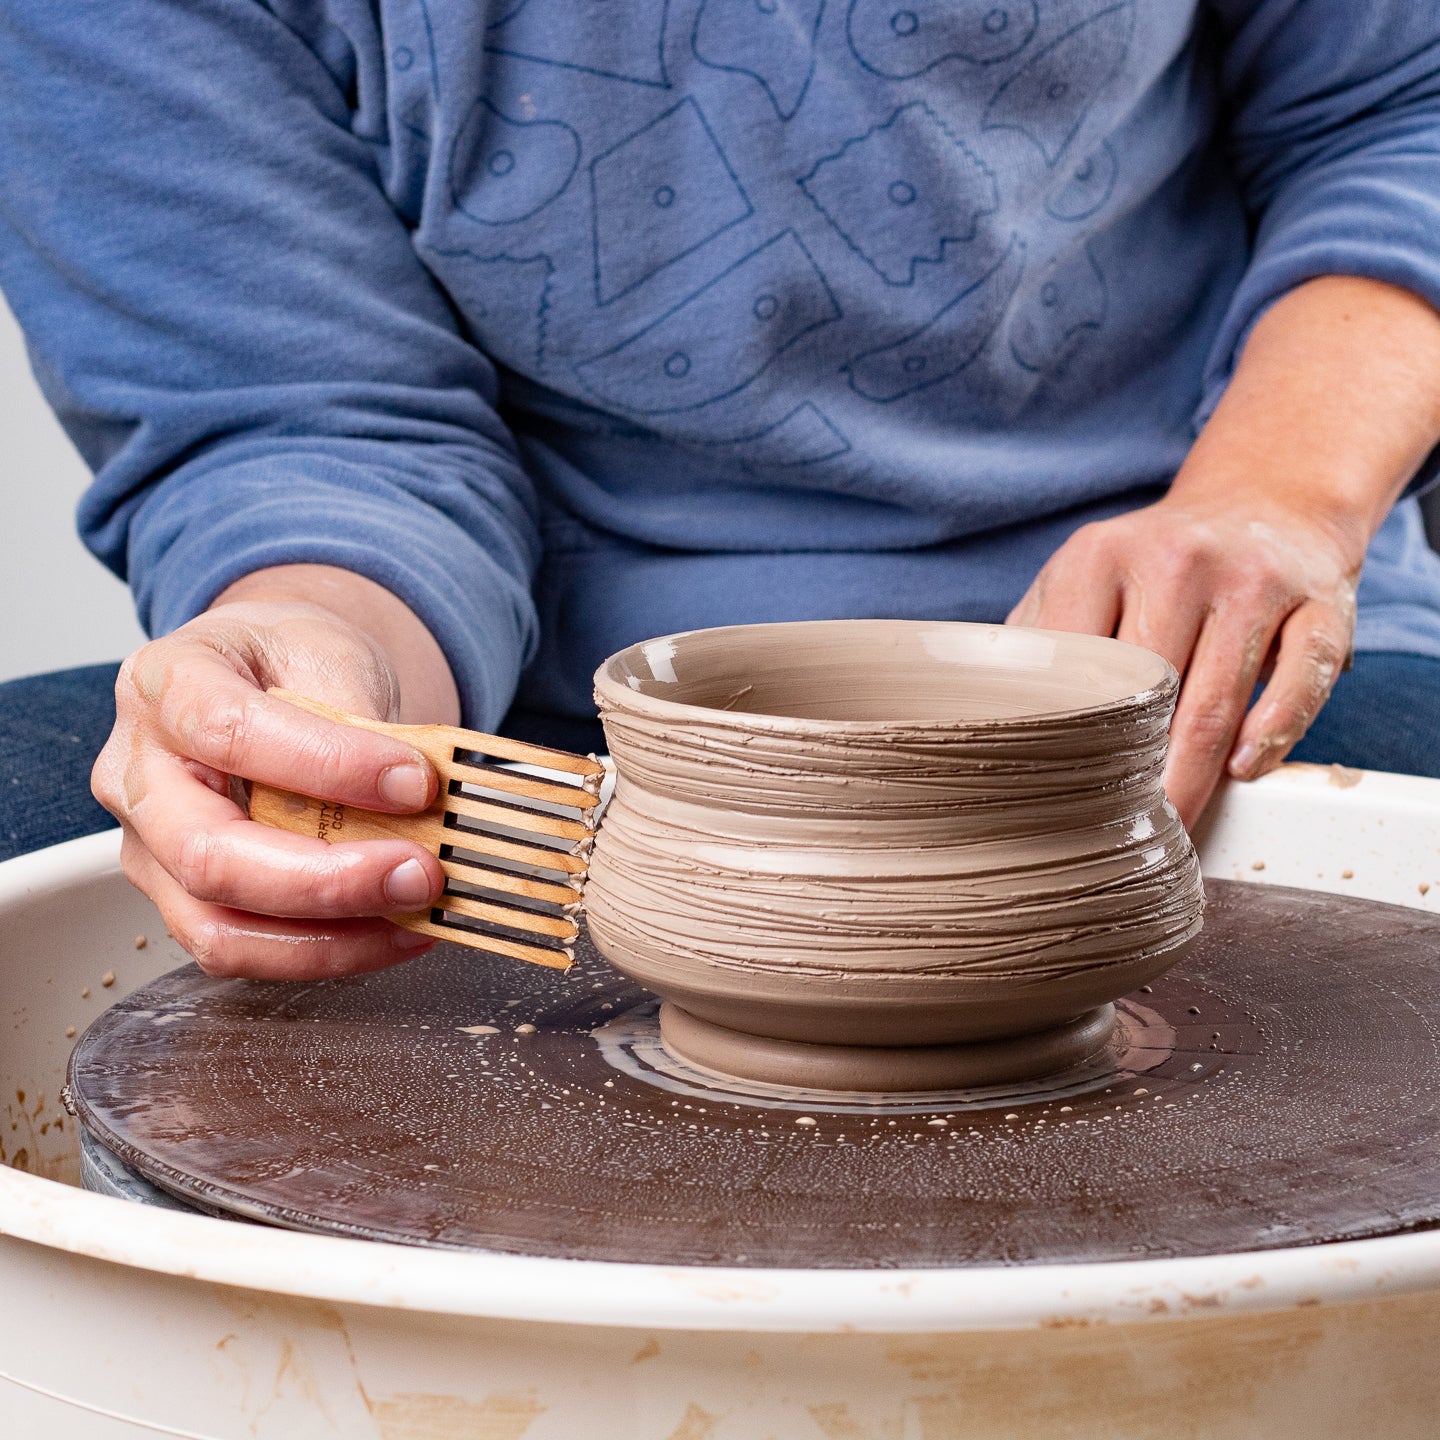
(620, 696)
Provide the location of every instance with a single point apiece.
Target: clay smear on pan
(889, 833)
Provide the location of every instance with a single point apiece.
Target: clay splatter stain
(505, 1416)
(695, 1424)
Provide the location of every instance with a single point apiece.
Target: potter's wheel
(1280, 1089)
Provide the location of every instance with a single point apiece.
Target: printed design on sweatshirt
(717, 340)
(949, 341)
(1087, 188)
(1049, 97)
(504, 170)
(1069, 296)
(658, 195)
(900, 39)
(413, 50)
(628, 45)
(902, 192)
(772, 41)
(806, 436)
(509, 305)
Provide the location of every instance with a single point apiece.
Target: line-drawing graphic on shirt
(413, 87)
(413, 44)
(1047, 99)
(718, 339)
(903, 192)
(772, 41)
(625, 41)
(805, 436)
(1087, 188)
(899, 39)
(949, 341)
(504, 170)
(1068, 297)
(657, 196)
(512, 298)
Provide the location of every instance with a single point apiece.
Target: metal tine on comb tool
(515, 847)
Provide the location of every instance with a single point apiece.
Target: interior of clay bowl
(856, 671)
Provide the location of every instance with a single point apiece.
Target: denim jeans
(1384, 715)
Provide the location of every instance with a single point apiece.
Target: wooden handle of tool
(288, 810)
(438, 743)
(325, 820)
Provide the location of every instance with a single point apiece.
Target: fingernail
(411, 940)
(408, 885)
(1244, 761)
(407, 786)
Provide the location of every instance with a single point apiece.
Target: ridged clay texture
(881, 833)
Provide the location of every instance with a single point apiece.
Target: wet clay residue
(1279, 1087)
(886, 833)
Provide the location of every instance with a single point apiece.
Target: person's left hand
(1224, 591)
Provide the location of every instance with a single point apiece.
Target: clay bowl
(885, 854)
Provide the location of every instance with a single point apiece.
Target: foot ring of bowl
(852, 1068)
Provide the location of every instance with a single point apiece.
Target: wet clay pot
(889, 854)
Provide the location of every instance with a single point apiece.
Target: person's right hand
(193, 722)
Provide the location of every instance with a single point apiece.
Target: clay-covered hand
(1225, 592)
(194, 721)
(1254, 555)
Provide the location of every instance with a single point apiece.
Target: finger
(1314, 642)
(1218, 684)
(1165, 618)
(217, 854)
(206, 711)
(1078, 590)
(227, 942)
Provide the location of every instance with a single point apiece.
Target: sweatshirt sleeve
(1331, 115)
(230, 319)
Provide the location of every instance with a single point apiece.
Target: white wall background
(59, 605)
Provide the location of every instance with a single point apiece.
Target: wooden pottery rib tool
(515, 847)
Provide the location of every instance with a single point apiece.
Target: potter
(444, 350)
(888, 838)
(427, 354)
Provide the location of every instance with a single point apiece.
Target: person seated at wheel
(427, 354)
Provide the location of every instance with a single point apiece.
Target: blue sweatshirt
(574, 322)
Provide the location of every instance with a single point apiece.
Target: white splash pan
(119, 1320)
